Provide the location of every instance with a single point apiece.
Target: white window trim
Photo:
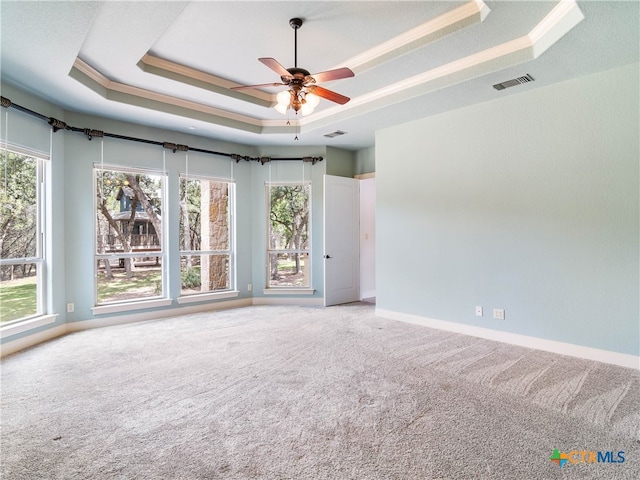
(288, 290)
(164, 300)
(42, 231)
(232, 291)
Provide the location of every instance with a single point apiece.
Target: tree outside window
(288, 235)
(22, 232)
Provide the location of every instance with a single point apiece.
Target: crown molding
(560, 20)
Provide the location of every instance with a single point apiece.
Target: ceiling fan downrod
(295, 23)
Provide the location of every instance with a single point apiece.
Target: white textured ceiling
(170, 64)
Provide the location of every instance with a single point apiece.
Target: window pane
(204, 273)
(289, 217)
(125, 279)
(129, 212)
(129, 220)
(204, 215)
(20, 216)
(18, 206)
(289, 270)
(288, 230)
(18, 291)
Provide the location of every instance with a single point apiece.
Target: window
(288, 260)
(22, 227)
(206, 243)
(130, 239)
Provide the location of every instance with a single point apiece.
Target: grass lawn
(145, 282)
(17, 299)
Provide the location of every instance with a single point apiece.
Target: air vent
(337, 133)
(512, 83)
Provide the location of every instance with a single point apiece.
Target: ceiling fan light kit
(303, 94)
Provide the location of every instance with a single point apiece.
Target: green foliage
(191, 278)
(289, 216)
(18, 208)
(18, 299)
(190, 194)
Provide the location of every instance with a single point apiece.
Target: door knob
(327, 256)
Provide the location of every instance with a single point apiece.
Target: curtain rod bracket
(5, 102)
(175, 147)
(57, 124)
(93, 133)
(312, 160)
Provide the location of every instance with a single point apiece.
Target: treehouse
(140, 233)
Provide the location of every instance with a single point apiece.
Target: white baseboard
(287, 301)
(154, 315)
(579, 351)
(13, 346)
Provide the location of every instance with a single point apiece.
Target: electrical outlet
(250, 287)
(498, 313)
(70, 307)
(478, 311)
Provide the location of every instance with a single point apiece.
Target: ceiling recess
(512, 83)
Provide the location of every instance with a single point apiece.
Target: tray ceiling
(171, 64)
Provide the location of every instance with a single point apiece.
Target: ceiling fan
(303, 93)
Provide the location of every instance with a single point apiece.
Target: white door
(341, 240)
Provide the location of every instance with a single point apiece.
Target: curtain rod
(57, 125)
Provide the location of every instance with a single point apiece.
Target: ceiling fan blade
(336, 74)
(240, 87)
(274, 65)
(328, 94)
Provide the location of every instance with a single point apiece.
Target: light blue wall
(528, 203)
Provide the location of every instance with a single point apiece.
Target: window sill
(27, 325)
(288, 291)
(205, 297)
(125, 307)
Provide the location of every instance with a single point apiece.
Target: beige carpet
(308, 393)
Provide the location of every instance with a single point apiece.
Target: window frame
(287, 289)
(160, 300)
(232, 291)
(43, 174)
